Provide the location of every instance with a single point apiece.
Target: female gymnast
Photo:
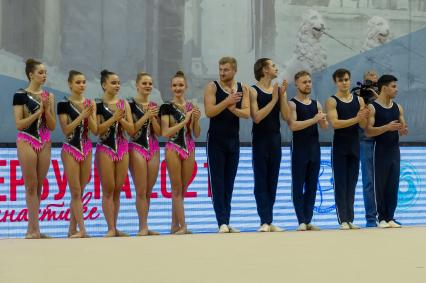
(34, 113)
(112, 158)
(77, 116)
(144, 149)
(179, 122)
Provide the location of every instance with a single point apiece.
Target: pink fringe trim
(34, 143)
(44, 134)
(76, 154)
(44, 95)
(188, 106)
(120, 104)
(153, 144)
(87, 102)
(182, 153)
(43, 131)
(153, 148)
(123, 148)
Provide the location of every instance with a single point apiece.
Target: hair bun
(179, 73)
(105, 72)
(30, 61)
(30, 66)
(72, 74)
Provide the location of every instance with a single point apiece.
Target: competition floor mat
(366, 255)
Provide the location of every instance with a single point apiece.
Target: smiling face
(112, 84)
(78, 84)
(144, 85)
(178, 87)
(39, 75)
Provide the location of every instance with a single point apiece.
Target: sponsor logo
(409, 186)
(325, 192)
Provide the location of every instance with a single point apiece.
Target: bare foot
(71, 232)
(45, 236)
(143, 232)
(32, 236)
(153, 233)
(110, 233)
(174, 229)
(181, 231)
(79, 235)
(121, 234)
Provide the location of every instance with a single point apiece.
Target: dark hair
(258, 67)
(72, 74)
(30, 66)
(340, 73)
(179, 74)
(140, 75)
(385, 80)
(301, 74)
(104, 76)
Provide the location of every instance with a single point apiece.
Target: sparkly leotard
(144, 141)
(37, 134)
(77, 143)
(113, 143)
(181, 141)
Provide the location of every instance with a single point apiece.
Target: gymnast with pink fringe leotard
(77, 144)
(36, 134)
(113, 143)
(144, 141)
(181, 142)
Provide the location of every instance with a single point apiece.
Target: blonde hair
(370, 73)
(140, 75)
(300, 74)
(230, 60)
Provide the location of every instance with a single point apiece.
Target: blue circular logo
(409, 181)
(325, 192)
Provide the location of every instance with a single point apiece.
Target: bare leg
(121, 169)
(43, 164)
(84, 175)
(153, 166)
(187, 169)
(174, 169)
(175, 223)
(72, 229)
(138, 169)
(106, 169)
(28, 161)
(85, 171)
(72, 169)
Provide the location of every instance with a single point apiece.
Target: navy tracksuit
(223, 153)
(386, 163)
(266, 142)
(305, 163)
(345, 160)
